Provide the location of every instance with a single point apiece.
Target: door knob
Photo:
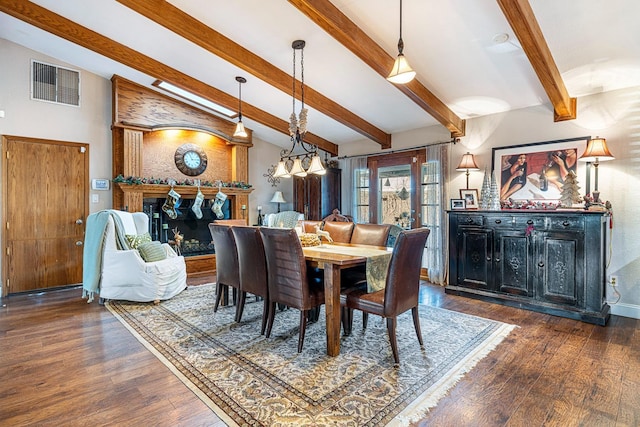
(79, 243)
(78, 221)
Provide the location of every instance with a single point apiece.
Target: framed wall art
(470, 196)
(536, 171)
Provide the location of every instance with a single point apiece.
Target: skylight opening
(197, 99)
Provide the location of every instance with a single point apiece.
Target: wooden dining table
(329, 258)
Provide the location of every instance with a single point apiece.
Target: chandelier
(302, 158)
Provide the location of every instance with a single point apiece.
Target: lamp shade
(401, 72)
(468, 162)
(281, 171)
(278, 197)
(596, 151)
(240, 132)
(297, 168)
(316, 166)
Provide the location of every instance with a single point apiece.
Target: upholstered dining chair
(253, 269)
(400, 293)
(370, 234)
(288, 281)
(340, 232)
(227, 268)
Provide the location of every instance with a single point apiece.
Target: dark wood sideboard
(548, 261)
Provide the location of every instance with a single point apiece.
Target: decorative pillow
(135, 240)
(152, 251)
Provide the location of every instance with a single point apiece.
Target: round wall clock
(190, 159)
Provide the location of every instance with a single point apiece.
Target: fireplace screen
(197, 238)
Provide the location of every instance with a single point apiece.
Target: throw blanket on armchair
(93, 246)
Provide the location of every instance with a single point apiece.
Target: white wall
(89, 123)
(262, 156)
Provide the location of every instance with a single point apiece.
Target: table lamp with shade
(278, 198)
(467, 163)
(596, 152)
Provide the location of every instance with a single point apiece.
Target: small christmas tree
(570, 194)
(485, 194)
(494, 198)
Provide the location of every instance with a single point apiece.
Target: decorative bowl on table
(309, 239)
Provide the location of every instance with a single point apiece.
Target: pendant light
(301, 153)
(240, 132)
(401, 72)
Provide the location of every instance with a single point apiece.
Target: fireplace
(197, 238)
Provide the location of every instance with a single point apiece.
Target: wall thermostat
(99, 184)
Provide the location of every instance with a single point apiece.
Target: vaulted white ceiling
(457, 47)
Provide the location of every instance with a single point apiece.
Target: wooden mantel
(134, 194)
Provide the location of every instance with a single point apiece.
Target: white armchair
(284, 219)
(113, 271)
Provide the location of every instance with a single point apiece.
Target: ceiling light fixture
(305, 160)
(240, 132)
(401, 72)
(194, 98)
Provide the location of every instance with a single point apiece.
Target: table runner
(377, 262)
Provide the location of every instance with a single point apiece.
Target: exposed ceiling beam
(335, 23)
(174, 19)
(525, 26)
(69, 30)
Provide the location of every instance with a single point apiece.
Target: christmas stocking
(217, 204)
(169, 206)
(197, 204)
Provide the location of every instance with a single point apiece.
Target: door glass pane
(362, 195)
(395, 195)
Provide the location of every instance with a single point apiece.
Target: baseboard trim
(625, 310)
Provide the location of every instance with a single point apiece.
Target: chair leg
(220, 289)
(242, 297)
(416, 324)
(265, 315)
(303, 328)
(272, 313)
(365, 319)
(391, 328)
(346, 317)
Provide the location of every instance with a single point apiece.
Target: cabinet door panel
(511, 256)
(560, 267)
(475, 257)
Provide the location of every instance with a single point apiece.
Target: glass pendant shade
(281, 171)
(316, 166)
(297, 168)
(240, 132)
(401, 72)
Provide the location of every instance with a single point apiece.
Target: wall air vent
(55, 84)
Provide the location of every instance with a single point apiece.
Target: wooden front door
(45, 204)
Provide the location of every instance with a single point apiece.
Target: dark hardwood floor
(64, 362)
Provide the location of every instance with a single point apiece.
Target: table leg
(332, 307)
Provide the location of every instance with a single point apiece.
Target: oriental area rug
(250, 380)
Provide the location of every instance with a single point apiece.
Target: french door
(396, 190)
